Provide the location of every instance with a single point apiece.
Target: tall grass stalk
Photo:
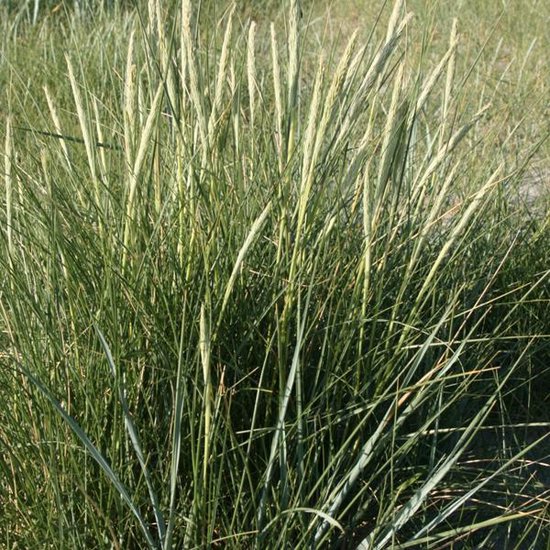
(266, 291)
(8, 162)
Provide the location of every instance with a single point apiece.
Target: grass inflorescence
(267, 288)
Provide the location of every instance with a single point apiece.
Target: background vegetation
(274, 285)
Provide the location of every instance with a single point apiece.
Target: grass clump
(263, 295)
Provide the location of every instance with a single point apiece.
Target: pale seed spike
(130, 93)
(84, 126)
(167, 68)
(383, 55)
(432, 79)
(456, 138)
(394, 17)
(251, 72)
(293, 54)
(205, 345)
(141, 108)
(449, 82)
(375, 70)
(312, 126)
(236, 118)
(278, 96)
(390, 130)
(151, 17)
(334, 92)
(187, 40)
(57, 124)
(145, 139)
(8, 161)
(342, 70)
(307, 164)
(221, 76)
(250, 238)
(161, 38)
(293, 78)
(100, 139)
(144, 146)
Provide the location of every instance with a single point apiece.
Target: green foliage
(261, 292)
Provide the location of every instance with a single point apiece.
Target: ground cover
(274, 285)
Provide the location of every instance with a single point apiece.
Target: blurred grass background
(65, 277)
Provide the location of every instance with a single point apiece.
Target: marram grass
(258, 294)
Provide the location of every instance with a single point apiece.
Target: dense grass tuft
(267, 290)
